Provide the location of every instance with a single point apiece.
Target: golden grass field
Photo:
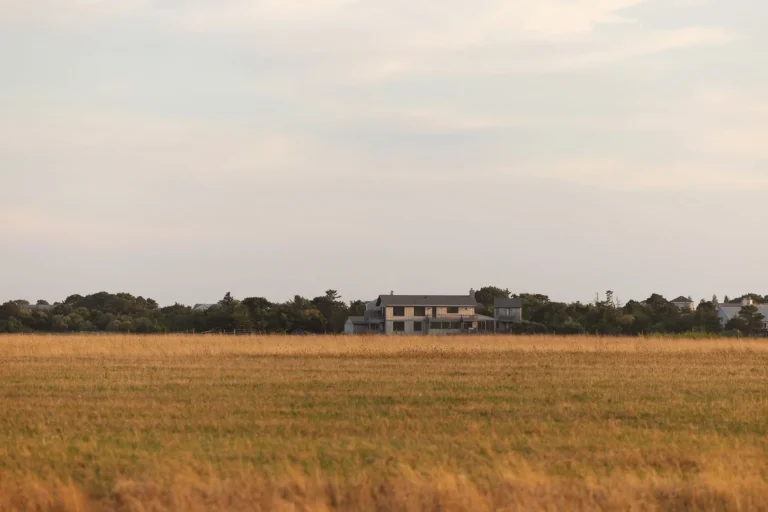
(372, 423)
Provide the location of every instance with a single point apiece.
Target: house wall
(352, 328)
(442, 312)
(685, 306)
(409, 318)
(389, 326)
(516, 313)
(726, 313)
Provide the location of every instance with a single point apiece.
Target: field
(333, 423)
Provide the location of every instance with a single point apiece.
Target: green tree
(300, 315)
(59, 323)
(143, 325)
(227, 302)
(357, 308)
(10, 309)
(706, 317)
(488, 294)
(11, 325)
(177, 318)
(532, 303)
(260, 311)
(749, 322)
(334, 311)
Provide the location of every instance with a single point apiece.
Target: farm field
(95, 422)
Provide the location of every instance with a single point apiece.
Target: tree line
(123, 312)
(610, 316)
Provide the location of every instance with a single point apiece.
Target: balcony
(374, 315)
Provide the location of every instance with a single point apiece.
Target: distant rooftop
(516, 302)
(427, 300)
(38, 307)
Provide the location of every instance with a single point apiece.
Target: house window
(417, 327)
(420, 311)
(398, 327)
(453, 311)
(398, 311)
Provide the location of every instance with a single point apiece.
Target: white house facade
(730, 310)
(421, 315)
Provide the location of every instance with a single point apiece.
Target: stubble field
(368, 423)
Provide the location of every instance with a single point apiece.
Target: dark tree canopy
(327, 313)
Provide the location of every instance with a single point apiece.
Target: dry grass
(326, 423)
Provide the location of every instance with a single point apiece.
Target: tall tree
(749, 322)
(487, 294)
(333, 310)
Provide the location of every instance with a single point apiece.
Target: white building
(421, 314)
(684, 304)
(732, 309)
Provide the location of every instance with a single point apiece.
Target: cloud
(726, 123)
(149, 143)
(431, 22)
(92, 232)
(430, 120)
(368, 41)
(650, 44)
(622, 174)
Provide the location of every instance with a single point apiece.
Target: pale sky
(180, 149)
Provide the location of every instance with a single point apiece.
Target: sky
(180, 149)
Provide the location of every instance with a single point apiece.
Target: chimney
(472, 292)
(392, 292)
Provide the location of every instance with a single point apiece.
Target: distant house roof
(38, 307)
(517, 302)
(357, 320)
(426, 300)
(202, 307)
(685, 300)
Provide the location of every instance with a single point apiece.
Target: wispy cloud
(621, 174)
(368, 41)
(146, 144)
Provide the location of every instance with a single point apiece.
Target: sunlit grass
(464, 423)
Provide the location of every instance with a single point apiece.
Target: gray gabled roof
(682, 299)
(202, 307)
(517, 302)
(728, 311)
(426, 300)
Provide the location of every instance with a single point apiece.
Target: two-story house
(507, 312)
(684, 304)
(371, 323)
(730, 310)
(422, 314)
